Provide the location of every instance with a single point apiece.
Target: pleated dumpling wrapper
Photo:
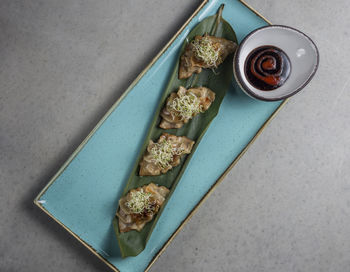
(139, 206)
(204, 52)
(162, 156)
(185, 104)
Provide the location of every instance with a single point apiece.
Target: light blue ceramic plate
(83, 195)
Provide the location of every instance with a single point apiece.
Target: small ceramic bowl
(300, 49)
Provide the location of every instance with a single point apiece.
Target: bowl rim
(238, 76)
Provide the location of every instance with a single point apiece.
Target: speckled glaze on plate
(83, 196)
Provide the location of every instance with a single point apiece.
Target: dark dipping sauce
(267, 67)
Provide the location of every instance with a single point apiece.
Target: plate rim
(38, 203)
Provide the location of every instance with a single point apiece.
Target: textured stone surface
(284, 207)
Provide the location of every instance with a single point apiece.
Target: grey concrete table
(284, 207)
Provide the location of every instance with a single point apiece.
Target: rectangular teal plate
(83, 195)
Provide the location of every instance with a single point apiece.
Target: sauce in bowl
(267, 67)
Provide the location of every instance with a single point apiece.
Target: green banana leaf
(133, 242)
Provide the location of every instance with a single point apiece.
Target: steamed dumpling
(139, 206)
(184, 105)
(204, 52)
(162, 156)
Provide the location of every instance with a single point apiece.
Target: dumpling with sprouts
(204, 52)
(162, 156)
(183, 105)
(139, 206)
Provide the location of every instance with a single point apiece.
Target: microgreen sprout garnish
(185, 106)
(163, 153)
(204, 50)
(139, 202)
